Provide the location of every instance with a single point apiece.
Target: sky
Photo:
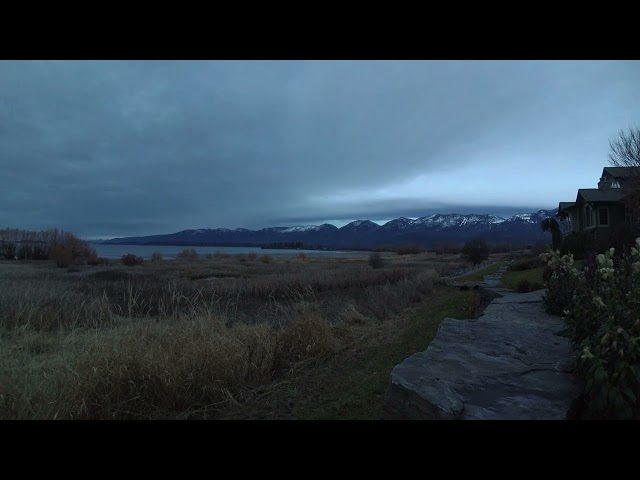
(118, 148)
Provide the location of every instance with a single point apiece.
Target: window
(588, 216)
(603, 216)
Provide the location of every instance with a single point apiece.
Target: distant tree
(475, 250)
(551, 225)
(189, 253)
(375, 260)
(63, 256)
(131, 260)
(8, 250)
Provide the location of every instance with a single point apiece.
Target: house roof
(596, 195)
(565, 205)
(622, 172)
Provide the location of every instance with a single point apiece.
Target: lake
(170, 251)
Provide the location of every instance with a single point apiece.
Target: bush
(623, 237)
(502, 248)
(601, 309)
(525, 286)
(266, 259)
(475, 251)
(61, 255)
(188, 253)
(131, 260)
(302, 256)
(156, 257)
(526, 264)
(577, 244)
(375, 260)
(539, 248)
(252, 256)
(409, 250)
(445, 249)
(97, 261)
(8, 250)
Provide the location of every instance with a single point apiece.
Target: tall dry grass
(150, 342)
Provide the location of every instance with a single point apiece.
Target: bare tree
(625, 152)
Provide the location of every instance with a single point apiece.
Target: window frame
(600, 224)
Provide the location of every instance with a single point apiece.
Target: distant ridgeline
(425, 232)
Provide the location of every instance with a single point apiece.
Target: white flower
(586, 353)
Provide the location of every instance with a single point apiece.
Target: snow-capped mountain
(523, 228)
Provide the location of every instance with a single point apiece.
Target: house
(599, 210)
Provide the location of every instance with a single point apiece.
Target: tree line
(18, 244)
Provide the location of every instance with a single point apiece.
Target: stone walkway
(510, 363)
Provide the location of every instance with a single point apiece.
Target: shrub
(475, 251)
(302, 256)
(577, 244)
(97, 261)
(375, 260)
(448, 249)
(600, 305)
(61, 255)
(502, 248)
(526, 264)
(156, 257)
(623, 237)
(252, 256)
(539, 248)
(8, 250)
(409, 250)
(131, 260)
(188, 253)
(266, 259)
(525, 286)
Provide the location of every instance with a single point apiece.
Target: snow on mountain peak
(301, 229)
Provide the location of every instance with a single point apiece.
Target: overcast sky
(114, 148)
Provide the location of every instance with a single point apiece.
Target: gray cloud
(119, 148)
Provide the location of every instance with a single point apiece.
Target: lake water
(170, 251)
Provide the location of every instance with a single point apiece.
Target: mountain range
(520, 229)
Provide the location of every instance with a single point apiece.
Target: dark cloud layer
(110, 148)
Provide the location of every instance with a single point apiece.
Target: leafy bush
(61, 255)
(188, 253)
(131, 260)
(156, 257)
(578, 244)
(601, 309)
(375, 260)
(409, 250)
(475, 251)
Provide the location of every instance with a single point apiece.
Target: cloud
(126, 148)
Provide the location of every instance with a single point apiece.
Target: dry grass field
(240, 336)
